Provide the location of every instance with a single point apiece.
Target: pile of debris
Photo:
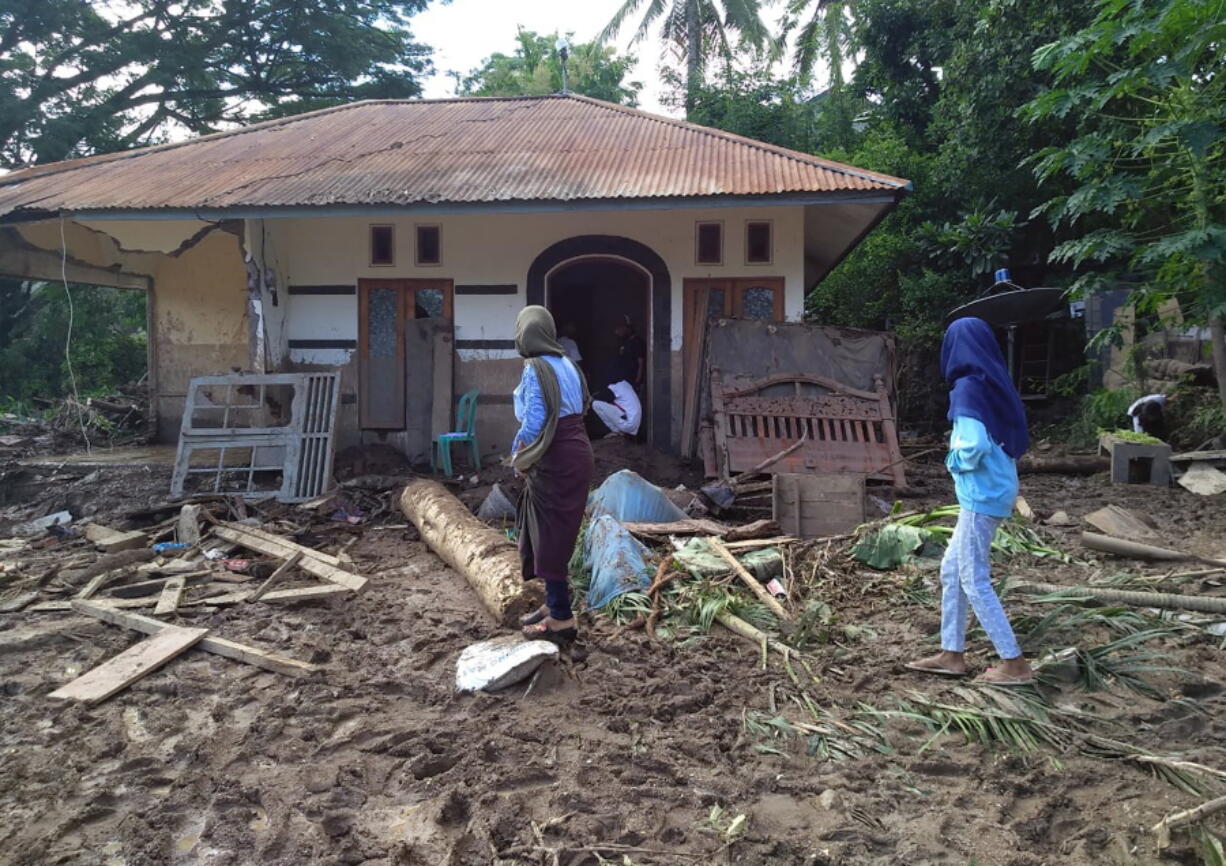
(111, 420)
(195, 559)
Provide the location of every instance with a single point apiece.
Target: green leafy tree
(697, 29)
(756, 104)
(1144, 83)
(535, 69)
(108, 345)
(79, 77)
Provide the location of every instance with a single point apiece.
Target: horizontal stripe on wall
(323, 290)
(485, 344)
(495, 400)
(323, 344)
(487, 290)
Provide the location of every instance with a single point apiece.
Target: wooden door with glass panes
(395, 369)
(725, 298)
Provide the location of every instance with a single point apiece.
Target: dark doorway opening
(595, 295)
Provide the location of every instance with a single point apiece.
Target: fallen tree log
(1137, 550)
(486, 558)
(1086, 465)
(1132, 598)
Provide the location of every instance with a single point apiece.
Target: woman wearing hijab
(552, 453)
(989, 435)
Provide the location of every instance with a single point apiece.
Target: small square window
(382, 245)
(429, 245)
(758, 243)
(710, 244)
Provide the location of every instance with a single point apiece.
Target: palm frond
(655, 8)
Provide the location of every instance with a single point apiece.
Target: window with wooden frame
(709, 243)
(382, 245)
(743, 298)
(384, 309)
(759, 243)
(429, 247)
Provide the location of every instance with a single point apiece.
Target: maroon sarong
(555, 491)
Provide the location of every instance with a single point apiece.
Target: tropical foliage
(535, 68)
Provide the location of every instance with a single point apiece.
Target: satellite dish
(1012, 307)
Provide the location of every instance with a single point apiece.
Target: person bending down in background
(622, 412)
(552, 453)
(989, 435)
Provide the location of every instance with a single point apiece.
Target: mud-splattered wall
(198, 284)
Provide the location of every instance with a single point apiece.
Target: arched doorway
(614, 267)
(594, 295)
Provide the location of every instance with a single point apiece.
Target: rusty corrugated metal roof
(563, 148)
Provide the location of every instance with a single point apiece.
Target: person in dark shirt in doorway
(631, 364)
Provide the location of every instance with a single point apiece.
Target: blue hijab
(980, 385)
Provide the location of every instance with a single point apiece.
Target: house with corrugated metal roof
(396, 241)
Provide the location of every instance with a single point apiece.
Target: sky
(464, 32)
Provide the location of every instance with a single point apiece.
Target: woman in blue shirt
(989, 435)
(552, 453)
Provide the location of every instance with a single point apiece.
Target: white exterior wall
(499, 249)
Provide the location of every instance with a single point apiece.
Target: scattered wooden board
(1122, 523)
(282, 570)
(815, 506)
(100, 580)
(677, 527)
(156, 585)
(313, 562)
(130, 665)
(306, 593)
(172, 594)
(216, 645)
(109, 540)
(18, 601)
(1203, 480)
(119, 603)
(1193, 456)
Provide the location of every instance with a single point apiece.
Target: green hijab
(536, 336)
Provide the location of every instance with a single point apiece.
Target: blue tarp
(617, 560)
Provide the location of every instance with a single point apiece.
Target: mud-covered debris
(503, 661)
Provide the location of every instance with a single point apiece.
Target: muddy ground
(624, 753)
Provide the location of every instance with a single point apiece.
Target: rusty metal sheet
(552, 148)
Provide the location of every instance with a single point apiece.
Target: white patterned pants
(966, 577)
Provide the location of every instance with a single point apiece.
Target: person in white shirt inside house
(567, 341)
(623, 413)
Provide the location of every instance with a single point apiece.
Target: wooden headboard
(848, 430)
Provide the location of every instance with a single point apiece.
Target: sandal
(562, 637)
(536, 616)
(984, 680)
(944, 672)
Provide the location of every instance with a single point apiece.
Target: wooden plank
(1122, 523)
(130, 665)
(1191, 456)
(216, 645)
(312, 561)
(678, 527)
(100, 580)
(157, 584)
(121, 603)
(281, 571)
(256, 532)
(818, 506)
(109, 540)
(172, 594)
(307, 593)
(694, 338)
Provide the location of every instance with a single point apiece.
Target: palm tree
(694, 26)
(824, 35)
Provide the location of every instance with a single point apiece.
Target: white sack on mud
(495, 664)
